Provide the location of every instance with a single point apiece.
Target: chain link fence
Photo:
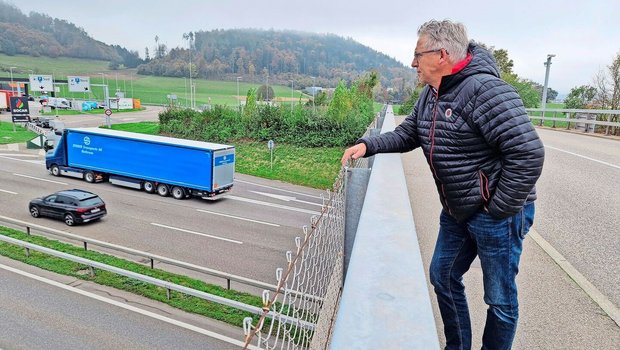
(309, 288)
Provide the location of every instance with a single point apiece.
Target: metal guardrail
(169, 286)
(567, 113)
(151, 257)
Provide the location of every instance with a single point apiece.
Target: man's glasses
(417, 55)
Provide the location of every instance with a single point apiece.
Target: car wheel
(34, 211)
(163, 190)
(55, 170)
(148, 186)
(178, 193)
(89, 176)
(69, 220)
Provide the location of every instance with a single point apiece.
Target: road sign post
(271, 145)
(108, 113)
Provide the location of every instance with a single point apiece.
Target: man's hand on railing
(353, 152)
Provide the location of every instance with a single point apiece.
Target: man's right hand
(353, 152)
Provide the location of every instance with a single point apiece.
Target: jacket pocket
(484, 187)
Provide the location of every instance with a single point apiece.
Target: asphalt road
(39, 313)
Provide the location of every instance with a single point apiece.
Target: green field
(149, 89)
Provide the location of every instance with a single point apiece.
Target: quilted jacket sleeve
(500, 116)
(402, 139)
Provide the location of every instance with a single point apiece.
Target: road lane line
(237, 217)
(279, 189)
(42, 179)
(248, 200)
(286, 198)
(125, 306)
(196, 233)
(608, 307)
(9, 192)
(588, 158)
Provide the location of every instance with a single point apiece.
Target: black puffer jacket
(477, 138)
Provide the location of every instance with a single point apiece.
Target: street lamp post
(292, 98)
(313, 94)
(12, 85)
(544, 95)
(238, 97)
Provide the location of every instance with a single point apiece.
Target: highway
(246, 233)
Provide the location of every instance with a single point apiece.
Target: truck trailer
(166, 165)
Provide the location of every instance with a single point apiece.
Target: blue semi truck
(169, 166)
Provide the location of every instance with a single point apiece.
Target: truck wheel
(55, 170)
(69, 220)
(163, 190)
(34, 211)
(178, 193)
(149, 187)
(89, 176)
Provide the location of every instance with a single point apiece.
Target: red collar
(459, 66)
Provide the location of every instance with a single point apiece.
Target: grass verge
(181, 301)
(7, 135)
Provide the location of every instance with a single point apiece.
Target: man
(485, 157)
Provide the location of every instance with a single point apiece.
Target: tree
(340, 105)
(614, 70)
(265, 93)
(580, 97)
(250, 106)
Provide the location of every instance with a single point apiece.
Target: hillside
(41, 35)
(279, 56)
(254, 55)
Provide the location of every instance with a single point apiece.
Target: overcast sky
(584, 35)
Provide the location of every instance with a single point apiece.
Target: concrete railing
(385, 301)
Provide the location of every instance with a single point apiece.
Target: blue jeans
(498, 243)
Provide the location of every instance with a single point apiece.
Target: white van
(58, 102)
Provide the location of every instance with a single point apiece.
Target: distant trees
(41, 35)
(580, 97)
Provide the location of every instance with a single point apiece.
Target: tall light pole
(544, 95)
(238, 97)
(12, 85)
(313, 94)
(292, 98)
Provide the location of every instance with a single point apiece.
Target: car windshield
(87, 202)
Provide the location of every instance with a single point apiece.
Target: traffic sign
(108, 112)
(41, 83)
(79, 84)
(270, 144)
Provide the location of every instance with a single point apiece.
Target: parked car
(72, 206)
(41, 122)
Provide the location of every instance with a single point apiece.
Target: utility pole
(544, 95)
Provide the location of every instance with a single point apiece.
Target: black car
(72, 206)
(41, 122)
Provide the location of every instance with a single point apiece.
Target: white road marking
(608, 307)
(18, 155)
(279, 189)
(42, 179)
(267, 204)
(196, 233)
(10, 192)
(285, 198)
(238, 217)
(584, 157)
(125, 306)
(23, 160)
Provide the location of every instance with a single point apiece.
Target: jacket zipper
(443, 192)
